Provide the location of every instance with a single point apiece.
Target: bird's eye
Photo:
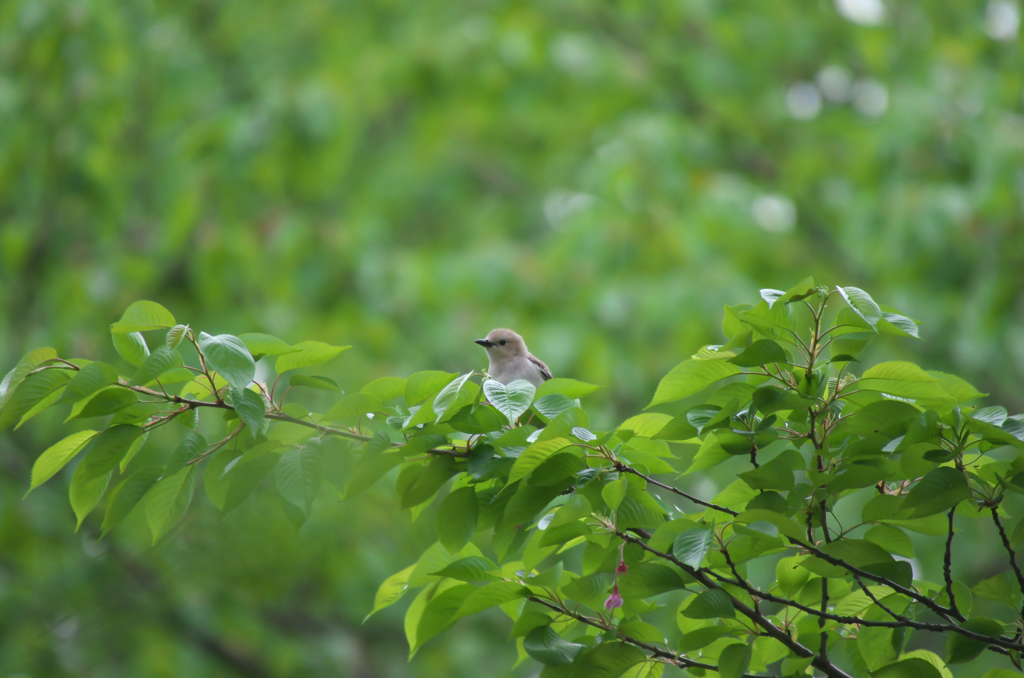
(502, 342)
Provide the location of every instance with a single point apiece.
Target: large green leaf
(167, 501)
(711, 604)
(123, 498)
(570, 388)
(546, 646)
(448, 397)
(790, 576)
(470, 568)
(512, 399)
(132, 347)
(938, 491)
(142, 316)
(960, 649)
(251, 409)
(265, 344)
(734, 660)
(105, 450)
(307, 354)
(690, 377)
(390, 591)
(156, 364)
(57, 456)
(85, 492)
(88, 380)
(491, 595)
(40, 389)
(422, 385)
(456, 518)
(862, 304)
(908, 668)
(228, 356)
(644, 580)
(30, 361)
(300, 473)
(610, 660)
(759, 353)
(386, 388)
(690, 546)
(535, 455)
(106, 401)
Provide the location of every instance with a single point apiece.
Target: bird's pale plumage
(510, 359)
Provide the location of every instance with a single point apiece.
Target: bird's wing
(544, 371)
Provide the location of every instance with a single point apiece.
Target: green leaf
(57, 456)
(482, 419)
(390, 591)
(251, 409)
(790, 576)
(321, 383)
(642, 631)
(88, 380)
(107, 401)
(610, 660)
(862, 304)
(85, 492)
(105, 450)
(773, 475)
(385, 388)
(759, 353)
(550, 406)
(909, 668)
(436, 474)
(456, 519)
(613, 493)
(168, 500)
(175, 335)
(228, 356)
(307, 354)
(892, 539)
(448, 398)
(470, 568)
(246, 475)
(34, 390)
(265, 344)
(132, 347)
(644, 580)
(770, 399)
(690, 377)
(1002, 588)
(438, 614)
(734, 660)
(534, 456)
(690, 546)
(156, 364)
(701, 638)
(960, 649)
(353, 407)
(570, 388)
(422, 385)
(491, 595)
(123, 498)
(547, 647)
(13, 379)
(512, 400)
(188, 449)
(299, 475)
(938, 491)
(711, 604)
(142, 316)
(899, 325)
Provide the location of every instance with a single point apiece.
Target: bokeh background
(404, 176)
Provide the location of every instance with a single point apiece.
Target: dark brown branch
(670, 657)
(1009, 549)
(627, 469)
(947, 571)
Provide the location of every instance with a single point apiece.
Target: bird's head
(502, 343)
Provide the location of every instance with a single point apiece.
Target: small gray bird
(510, 360)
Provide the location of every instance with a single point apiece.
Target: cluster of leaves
(527, 471)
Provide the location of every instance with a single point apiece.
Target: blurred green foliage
(403, 177)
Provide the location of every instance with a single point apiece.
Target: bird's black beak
(485, 343)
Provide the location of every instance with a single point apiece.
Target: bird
(510, 359)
